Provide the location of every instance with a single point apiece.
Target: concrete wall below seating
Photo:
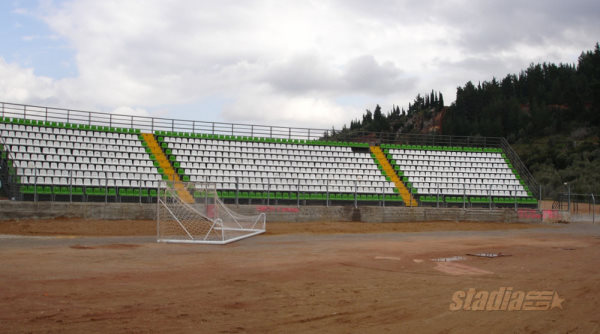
(370, 214)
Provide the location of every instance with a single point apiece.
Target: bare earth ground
(297, 278)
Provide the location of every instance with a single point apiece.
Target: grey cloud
(362, 75)
(492, 26)
(365, 74)
(303, 73)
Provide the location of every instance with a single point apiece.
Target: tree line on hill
(549, 113)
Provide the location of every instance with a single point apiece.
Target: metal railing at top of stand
(152, 124)
(416, 139)
(526, 176)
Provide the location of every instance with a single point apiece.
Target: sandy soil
(80, 227)
(302, 282)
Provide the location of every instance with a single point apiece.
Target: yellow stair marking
(387, 167)
(165, 164)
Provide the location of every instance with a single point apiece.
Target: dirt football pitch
(76, 276)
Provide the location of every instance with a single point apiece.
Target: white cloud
(19, 84)
(288, 62)
(131, 111)
(279, 110)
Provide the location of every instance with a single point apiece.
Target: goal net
(193, 213)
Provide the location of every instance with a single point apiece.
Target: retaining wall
(369, 214)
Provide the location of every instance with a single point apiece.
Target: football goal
(193, 213)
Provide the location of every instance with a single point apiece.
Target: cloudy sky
(293, 63)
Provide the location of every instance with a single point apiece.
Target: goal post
(190, 212)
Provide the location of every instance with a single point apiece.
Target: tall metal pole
(540, 201)
(569, 205)
(298, 194)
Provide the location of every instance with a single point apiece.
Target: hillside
(549, 113)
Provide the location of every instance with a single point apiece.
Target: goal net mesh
(193, 213)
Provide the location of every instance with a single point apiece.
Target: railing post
(464, 197)
(298, 194)
(515, 198)
(140, 188)
(355, 198)
(268, 191)
(490, 195)
(35, 185)
(237, 190)
(327, 191)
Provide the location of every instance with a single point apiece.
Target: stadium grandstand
(70, 155)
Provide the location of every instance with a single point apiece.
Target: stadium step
(408, 199)
(166, 167)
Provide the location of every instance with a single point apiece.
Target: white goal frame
(203, 220)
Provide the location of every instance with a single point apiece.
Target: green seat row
(480, 200)
(511, 200)
(455, 199)
(301, 196)
(430, 199)
(62, 125)
(161, 134)
(89, 191)
(441, 148)
(477, 200)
